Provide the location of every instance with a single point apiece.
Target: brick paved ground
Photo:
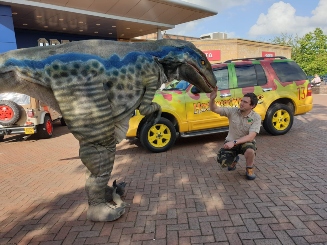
(178, 197)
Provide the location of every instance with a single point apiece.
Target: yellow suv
(280, 84)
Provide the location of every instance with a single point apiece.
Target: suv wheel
(45, 130)
(9, 112)
(279, 119)
(1, 138)
(159, 137)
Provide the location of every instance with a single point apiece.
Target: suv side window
(222, 78)
(288, 71)
(250, 75)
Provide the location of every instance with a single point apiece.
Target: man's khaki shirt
(240, 126)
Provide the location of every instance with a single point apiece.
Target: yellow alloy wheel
(281, 119)
(159, 135)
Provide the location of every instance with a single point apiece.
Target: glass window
(222, 78)
(250, 75)
(261, 75)
(182, 85)
(246, 76)
(288, 71)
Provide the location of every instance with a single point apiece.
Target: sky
(259, 20)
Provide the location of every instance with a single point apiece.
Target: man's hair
(253, 97)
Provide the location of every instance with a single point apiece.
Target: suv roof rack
(256, 58)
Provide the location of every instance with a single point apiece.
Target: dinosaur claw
(154, 117)
(120, 187)
(124, 205)
(157, 118)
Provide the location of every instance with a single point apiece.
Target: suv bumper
(17, 130)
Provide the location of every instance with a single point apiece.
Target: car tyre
(45, 130)
(9, 112)
(159, 137)
(1, 138)
(279, 119)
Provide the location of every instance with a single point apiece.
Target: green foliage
(285, 39)
(310, 51)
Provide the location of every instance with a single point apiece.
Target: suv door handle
(225, 95)
(266, 89)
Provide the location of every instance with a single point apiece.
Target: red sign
(212, 54)
(268, 54)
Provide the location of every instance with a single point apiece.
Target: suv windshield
(177, 85)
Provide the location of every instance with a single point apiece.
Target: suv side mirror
(195, 90)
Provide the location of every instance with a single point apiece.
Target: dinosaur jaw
(204, 82)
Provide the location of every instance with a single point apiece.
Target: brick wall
(322, 89)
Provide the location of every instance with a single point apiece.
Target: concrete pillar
(159, 34)
(7, 36)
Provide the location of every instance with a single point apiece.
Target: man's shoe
(249, 173)
(232, 167)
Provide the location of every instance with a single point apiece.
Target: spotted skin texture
(97, 85)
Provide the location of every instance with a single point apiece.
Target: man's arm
(212, 103)
(247, 138)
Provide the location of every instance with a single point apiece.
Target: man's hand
(229, 145)
(213, 94)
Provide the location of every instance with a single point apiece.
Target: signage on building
(213, 55)
(45, 42)
(268, 54)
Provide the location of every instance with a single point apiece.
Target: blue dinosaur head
(181, 60)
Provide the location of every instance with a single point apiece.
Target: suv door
(199, 115)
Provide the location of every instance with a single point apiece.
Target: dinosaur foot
(104, 212)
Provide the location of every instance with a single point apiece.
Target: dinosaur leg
(88, 115)
(99, 161)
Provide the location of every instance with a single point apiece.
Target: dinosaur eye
(202, 62)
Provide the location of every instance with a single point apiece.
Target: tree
(310, 51)
(286, 39)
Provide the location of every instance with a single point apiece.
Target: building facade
(220, 50)
(30, 23)
(24, 22)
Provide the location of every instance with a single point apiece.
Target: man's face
(245, 104)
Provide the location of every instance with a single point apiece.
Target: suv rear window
(250, 75)
(288, 71)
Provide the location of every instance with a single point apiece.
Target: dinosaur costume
(97, 85)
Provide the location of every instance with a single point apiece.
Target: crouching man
(244, 125)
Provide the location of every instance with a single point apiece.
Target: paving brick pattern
(178, 197)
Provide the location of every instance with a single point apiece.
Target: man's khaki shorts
(227, 156)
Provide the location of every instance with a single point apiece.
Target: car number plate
(29, 130)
